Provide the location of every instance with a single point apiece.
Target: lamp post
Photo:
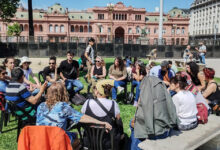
(160, 38)
(111, 9)
(30, 19)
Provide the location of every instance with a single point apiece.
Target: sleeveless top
(215, 95)
(111, 112)
(97, 71)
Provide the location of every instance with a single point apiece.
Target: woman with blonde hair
(98, 71)
(56, 111)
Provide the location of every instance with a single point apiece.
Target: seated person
(69, 72)
(211, 92)
(155, 116)
(149, 67)
(9, 64)
(25, 65)
(118, 73)
(18, 93)
(197, 76)
(187, 55)
(3, 79)
(98, 71)
(138, 73)
(94, 107)
(56, 111)
(51, 72)
(165, 73)
(172, 66)
(184, 102)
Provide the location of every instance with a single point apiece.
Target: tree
(7, 9)
(14, 30)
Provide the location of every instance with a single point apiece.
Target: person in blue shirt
(56, 111)
(3, 79)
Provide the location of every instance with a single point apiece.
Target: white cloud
(24, 3)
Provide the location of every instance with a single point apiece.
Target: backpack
(202, 114)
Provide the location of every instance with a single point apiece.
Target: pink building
(106, 24)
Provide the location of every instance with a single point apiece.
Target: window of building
(164, 31)
(173, 31)
(56, 28)
(72, 29)
(62, 28)
(41, 28)
(100, 16)
(137, 17)
(100, 29)
(90, 29)
(81, 17)
(90, 17)
(51, 8)
(129, 31)
(72, 17)
(22, 16)
(183, 30)
(21, 27)
(155, 30)
(81, 29)
(51, 28)
(178, 30)
(109, 30)
(138, 30)
(60, 9)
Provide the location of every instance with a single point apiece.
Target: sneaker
(135, 104)
(120, 89)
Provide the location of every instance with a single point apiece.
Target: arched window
(100, 29)
(90, 28)
(22, 27)
(51, 28)
(62, 28)
(138, 30)
(41, 28)
(183, 30)
(81, 29)
(56, 28)
(178, 30)
(72, 28)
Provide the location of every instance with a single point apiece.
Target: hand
(44, 86)
(107, 126)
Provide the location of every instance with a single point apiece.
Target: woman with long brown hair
(56, 110)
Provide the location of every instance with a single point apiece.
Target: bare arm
(209, 90)
(103, 72)
(34, 99)
(88, 119)
(201, 78)
(61, 75)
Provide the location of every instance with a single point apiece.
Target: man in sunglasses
(51, 72)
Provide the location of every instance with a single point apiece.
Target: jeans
(135, 141)
(71, 83)
(202, 59)
(188, 127)
(114, 89)
(137, 85)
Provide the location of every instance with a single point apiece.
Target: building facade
(205, 21)
(113, 23)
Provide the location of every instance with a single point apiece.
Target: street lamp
(160, 38)
(111, 9)
(30, 19)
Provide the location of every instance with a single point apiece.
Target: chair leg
(6, 118)
(19, 127)
(2, 120)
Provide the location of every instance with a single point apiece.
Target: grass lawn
(8, 137)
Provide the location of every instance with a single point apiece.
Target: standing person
(69, 72)
(118, 73)
(138, 73)
(9, 64)
(89, 56)
(202, 52)
(25, 65)
(51, 72)
(187, 54)
(98, 71)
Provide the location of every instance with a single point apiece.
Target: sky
(149, 5)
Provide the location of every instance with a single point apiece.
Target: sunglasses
(51, 63)
(4, 73)
(27, 63)
(97, 61)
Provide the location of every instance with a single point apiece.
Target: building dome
(56, 9)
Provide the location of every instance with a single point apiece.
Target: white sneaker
(135, 104)
(120, 89)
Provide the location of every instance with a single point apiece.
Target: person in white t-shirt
(184, 102)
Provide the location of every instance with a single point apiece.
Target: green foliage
(14, 30)
(7, 9)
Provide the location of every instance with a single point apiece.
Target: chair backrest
(41, 77)
(43, 137)
(96, 135)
